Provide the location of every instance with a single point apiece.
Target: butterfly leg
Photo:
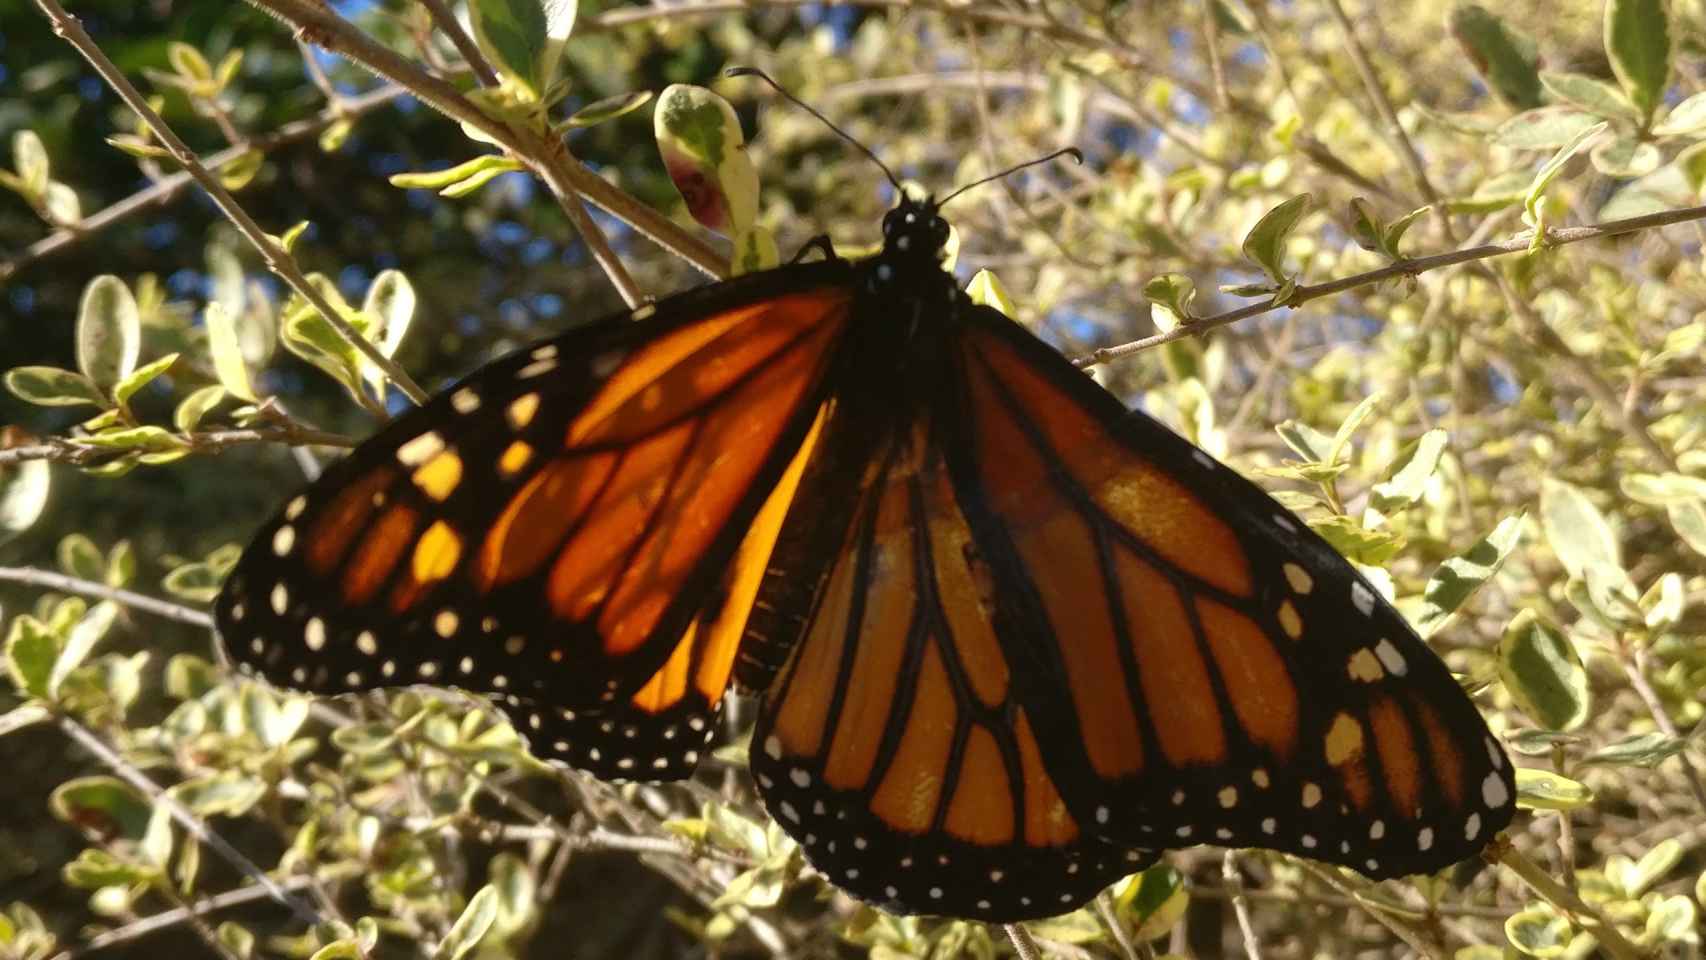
(820, 243)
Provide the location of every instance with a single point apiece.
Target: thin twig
(1240, 905)
(446, 23)
(166, 188)
(1294, 898)
(1583, 372)
(166, 919)
(100, 591)
(1401, 268)
(1111, 919)
(129, 773)
(1635, 668)
(1383, 103)
(1410, 934)
(1211, 40)
(80, 452)
(320, 25)
(1564, 898)
(275, 256)
(1023, 945)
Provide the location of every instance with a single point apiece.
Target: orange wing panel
(981, 810)
(1263, 695)
(911, 789)
(1135, 492)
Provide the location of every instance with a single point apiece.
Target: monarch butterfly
(1010, 638)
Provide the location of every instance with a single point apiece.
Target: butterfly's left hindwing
(568, 528)
(892, 743)
(1206, 669)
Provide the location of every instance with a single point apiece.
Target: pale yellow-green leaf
(109, 331)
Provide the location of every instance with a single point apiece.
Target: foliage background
(1543, 411)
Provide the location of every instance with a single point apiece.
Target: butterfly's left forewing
(563, 529)
(1205, 669)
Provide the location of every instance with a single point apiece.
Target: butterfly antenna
(1072, 152)
(760, 74)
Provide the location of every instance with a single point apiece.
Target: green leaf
(1357, 542)
(1458, 578)
(1545, 790)
(470, 928)
(1353, 420)
(518, 892)
(1156, 899)
(18, 718)
(1172, 293)
(23, 495)
(347, 948)
(102, 871)
(1396, 230)
(336, 134)
(1577, 531)
(364, 738)
(1637, 39)
(273, 722)
(236, 939)
(1662, 489)
(1664, 601)
(237, 174)
(1689, 116)
(607, 109)
(755, 250)
(1543, 673)
(30, 652)
(109, 332)
(1539, 743)
(1550, 170)
(1265, 243)
(474, 182)
(29, 158)
(227, 352)
(1652, 867)
(1539, 932)
(511, 33)
(390, 304)
(1641, 750)
(1671, 919)
(1309, 443)
(1591, 94)
(152, 439)
(287, 239)
(1366, 228)
(80, 642)
(987, 290)
(1625, 158)
(63, 207)
(197, 405)
(1689, 521)
(1407, 483)
(188, 62)
(439, 179)
(703, 150)
(103, 805)
(141, 377)
(1504, 56)
(79, 557)
(53, 387)
(1545, 128)
(229, 793)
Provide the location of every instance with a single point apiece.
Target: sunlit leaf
(1543, 673)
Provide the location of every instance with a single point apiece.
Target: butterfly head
(914, 230)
